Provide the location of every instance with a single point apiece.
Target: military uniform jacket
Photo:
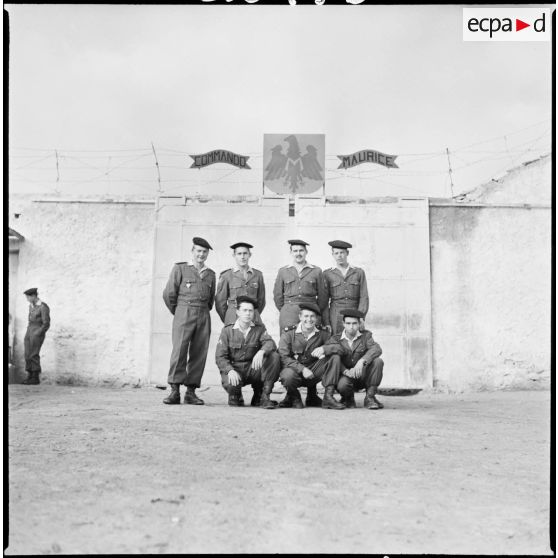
(352, 287)
(306, 287)
(39, 318)
(364, 347)
(232, 284)
(296, 352)
(187, 287)
(234, 351)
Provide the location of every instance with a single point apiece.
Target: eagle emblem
(288, 169)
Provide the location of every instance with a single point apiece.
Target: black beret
(351, 313)
(201, 242)
(340, 244)
(242, 298)
(32, 291)
(310, 306)
(298, 242)
(239, 244)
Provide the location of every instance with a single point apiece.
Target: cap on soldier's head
(340, 244)
(298, 242)
(351, 313)
(30, 292)
(242, 298)
(239, 244)
(309, 306)
(197, 241)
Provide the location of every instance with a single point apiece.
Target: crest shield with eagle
(294, 163)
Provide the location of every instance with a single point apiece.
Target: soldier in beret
(189, 295)
(39, 322)
(246, 354)
(345, 286)
(299, 283)
(306, 360)
(239, 280)
(362, 367)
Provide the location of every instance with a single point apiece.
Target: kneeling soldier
(246, 354)
(306, 361)
(360, 356)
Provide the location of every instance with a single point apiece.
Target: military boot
(286, 401)
(256, 398)
(265, 401)
(32, 379)
(191, 398)
(296, 399)
(312, 398)
(234, 397)
(329, 401)
(348, 400)
(370, 401)
(174, 396)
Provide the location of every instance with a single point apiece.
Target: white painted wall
(92, 264)
(490, 297)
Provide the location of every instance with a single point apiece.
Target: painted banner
(219, 156)
(294, 163)
(367, 156)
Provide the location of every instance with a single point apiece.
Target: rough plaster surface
(92, 264)
(491, 287)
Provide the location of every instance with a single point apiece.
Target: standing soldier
(345, 286)
(299, 283)
(189, 296)
(246, 354)
(239, 280)
(306, 361)
(362, 367)
(39, 322)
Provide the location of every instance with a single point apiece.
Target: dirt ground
(98, 470)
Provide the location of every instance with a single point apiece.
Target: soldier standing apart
(239, 280)
(189, 296)
(345, 286)
(361, 362)
(299, 283)
(39, 322)
(246, 354)
(306, 360)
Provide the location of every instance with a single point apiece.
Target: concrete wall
(491, 288)
(92, 264)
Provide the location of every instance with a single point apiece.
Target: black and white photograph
(280, 278)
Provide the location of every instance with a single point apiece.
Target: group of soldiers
(321, 320)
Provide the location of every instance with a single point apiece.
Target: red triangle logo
(519, 25)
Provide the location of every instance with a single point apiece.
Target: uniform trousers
(32, 343)
(191, 328)
(267, 374)
(327, 370)
(371, 377)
